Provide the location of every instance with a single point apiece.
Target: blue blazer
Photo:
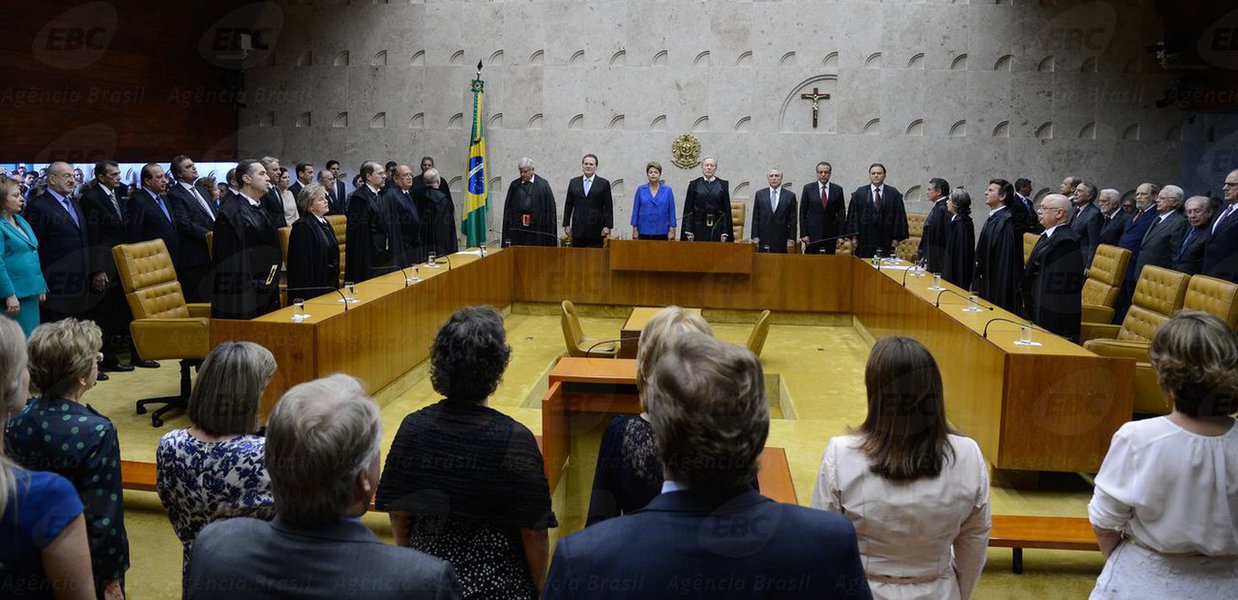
(653, 215)
(20, 273)
(690, 545)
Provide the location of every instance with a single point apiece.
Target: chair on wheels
(1100, 289)
(756, 339)
(577, 343)
(164, 326)
(1213, 296)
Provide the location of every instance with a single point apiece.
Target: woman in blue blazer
(21, 278)
(653, 207)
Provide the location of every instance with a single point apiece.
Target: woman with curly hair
(464, 482)
(1165, 505)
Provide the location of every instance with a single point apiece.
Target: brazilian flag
(476, 198)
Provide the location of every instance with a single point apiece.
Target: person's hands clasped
(12, 305)
(99, 281)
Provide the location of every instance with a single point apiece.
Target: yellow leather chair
(1029, 243)
(756, 339)
(164, 326)
(1100, 289)
(1158, 294)
(1213, 296)
(339, 224)
(577, 343)
(910, 247)
(739, 210)
(285, 234)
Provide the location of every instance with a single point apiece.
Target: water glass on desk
(300, 314)
(433, 260)
(936, 287)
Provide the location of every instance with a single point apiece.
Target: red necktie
(825, 195)
(877, 198)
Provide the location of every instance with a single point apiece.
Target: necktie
(205, 207)
(68, 205)
(877, 198)
(588, 184)
(1186, 243)
(1222, 217)
(163, 207)
(1044, 237)
(825, 195)
(112, 196)
(773, 200)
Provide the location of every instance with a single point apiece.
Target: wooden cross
(816, 96)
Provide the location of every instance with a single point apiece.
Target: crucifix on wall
(816, 97)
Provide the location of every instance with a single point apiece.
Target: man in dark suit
(60, 226)
(588, 210)
(247, 252)
(303, 176)
(1190, 256)
(1221, 255)
(322, 456)
(1132, 239)
(710, 413)
(1116, 220)
(335, 204)
(823, 212)
(877, 216)
(407, 217)
(149, 215)
(1164, 237)
(1053, 277)
(529, 212)
(1088, 220)
(193, 216)
(1023, 193)
(340, 186)
(999, 251)
(936, 225)
(373, 238)
(773, 215)
(272, 204)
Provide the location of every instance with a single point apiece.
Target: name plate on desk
(681, 257)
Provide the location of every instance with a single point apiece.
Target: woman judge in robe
(529, 213)
(960, 262)
(707, 206)
(313, 254)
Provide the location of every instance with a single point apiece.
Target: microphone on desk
(1028, 324)
(937, 301)
(595, 345)
(499, 234)
(829, 239)
(344, 298)
(542, 233)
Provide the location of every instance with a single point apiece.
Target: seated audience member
(56, 432)
(883, 475)
(628, 473)
(1164, 503)
(213, 470)
(45, 553)
(960, 262)
(706, 400)
(322, 454)
(463, 481)
(313, 253)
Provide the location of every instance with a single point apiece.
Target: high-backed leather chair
(1029, 243)
(164, 326)
(285, 234)
(1158, 294)
(1100, 289)
(908, 248)
(1213, 296)
(738, 212)
(339, 225)
(756, 339)
(577, 343)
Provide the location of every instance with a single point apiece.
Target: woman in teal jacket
(21, 279)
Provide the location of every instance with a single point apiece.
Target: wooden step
(1049, 533)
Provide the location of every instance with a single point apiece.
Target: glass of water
(300, 314)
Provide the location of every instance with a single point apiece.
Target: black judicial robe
(706, 200)
(313, 258)
(934, 238)
(529, 214)
(408, 222)
(438, 222)
(959, 263)
(1053, 283)
(371, 234)
(999, 262)
(247, 258)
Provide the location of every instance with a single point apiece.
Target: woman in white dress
(1165, 506)
(284, 185)
(917, 493)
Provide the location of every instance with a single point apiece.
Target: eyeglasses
(99, 357)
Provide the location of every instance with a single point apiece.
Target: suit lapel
(25, 234)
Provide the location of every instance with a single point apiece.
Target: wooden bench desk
(1046, 533)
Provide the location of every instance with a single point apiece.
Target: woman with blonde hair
(917, 492)
(21, 277)
(1165, 504)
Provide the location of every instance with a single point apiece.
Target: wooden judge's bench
(1051, 407)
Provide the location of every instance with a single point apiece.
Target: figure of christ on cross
(816, 97)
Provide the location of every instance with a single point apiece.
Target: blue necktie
(1187, 242)
(68, 205)
(163, 207)
(588, 184)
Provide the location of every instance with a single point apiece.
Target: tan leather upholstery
(339, 224)
(908, 248)
(574, 337)
(1029, 242)
(738, 213)
(756, 339)
(1214, 296)
(210, 243)
(163, 326)
(1100, 289)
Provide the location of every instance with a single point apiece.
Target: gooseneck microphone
(1028, 324)
(599, 343)
(937, 302)
(830, 239)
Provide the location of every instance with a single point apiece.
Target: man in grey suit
(773, 215)
(1164, 237)
(322, 450)
(1190, 257)
(1088, 221)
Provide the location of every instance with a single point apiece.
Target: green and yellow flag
(476, 197)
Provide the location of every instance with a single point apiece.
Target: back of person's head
(1195, 356)
(469, 355)
(905, 430)
(322, 438)
(710, 416)
(12, 386)
(962, 201)
(230, 382)
(61, 354)
(653, 338)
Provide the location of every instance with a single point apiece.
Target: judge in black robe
(438, 219)
(246, 253)
(313, 253)
(371, 232)
(959, 264)
(936, 226)
(999, 259)
(529, 212)
(407, 219)
(1053, 277)
(707, 207)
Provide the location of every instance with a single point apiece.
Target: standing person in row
(877, 216)
(1132, 239)
(823, 213)
(438, 217)
(407, 218)
(707, 206)
(773, 215)
(1189, 258)
(419, 180)
(247, 253)
(1221, 256)
(60, 226)
(1088, 221)
(1053, 276)
(1109, 201)
(193, 216)
(960, 264)
(335, 203)
(272, 201)
(588, 211)
(653, 207)
(936, 225)
(999, 251)
(1164, 237)
(21, 280)
(371, 233)
(529, 210)
(313, 254)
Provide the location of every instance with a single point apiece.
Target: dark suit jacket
(273, 206)
(247, 259)
(341, 196)
(313, 258)
(588, 215)
(408, 222)
(1113, 228)
(1053, 283)
(192, 223)
(1087, 226)
(256, 559)
(1029, 208)
(1162, 241)
(104, 228)
(999, 262)
(876, 229)
(438, 222)
(1221, 255)
(371, 235)
(701, 201)
(774, 227)
(146, 221)
(63, 254)
(820, 220)
(1190, 256)
(933, 239)
(296, 187)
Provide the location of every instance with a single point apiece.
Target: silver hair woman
(313, 261)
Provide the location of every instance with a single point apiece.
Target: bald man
(1190, 256)
(1053, 276)
(60, 226)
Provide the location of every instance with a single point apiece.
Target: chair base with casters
(171, 403)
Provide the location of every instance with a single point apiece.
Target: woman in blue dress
(21, 277)
(653, 207)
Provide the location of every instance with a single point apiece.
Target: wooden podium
(683, 257)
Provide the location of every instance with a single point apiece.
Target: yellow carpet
(821, 373)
